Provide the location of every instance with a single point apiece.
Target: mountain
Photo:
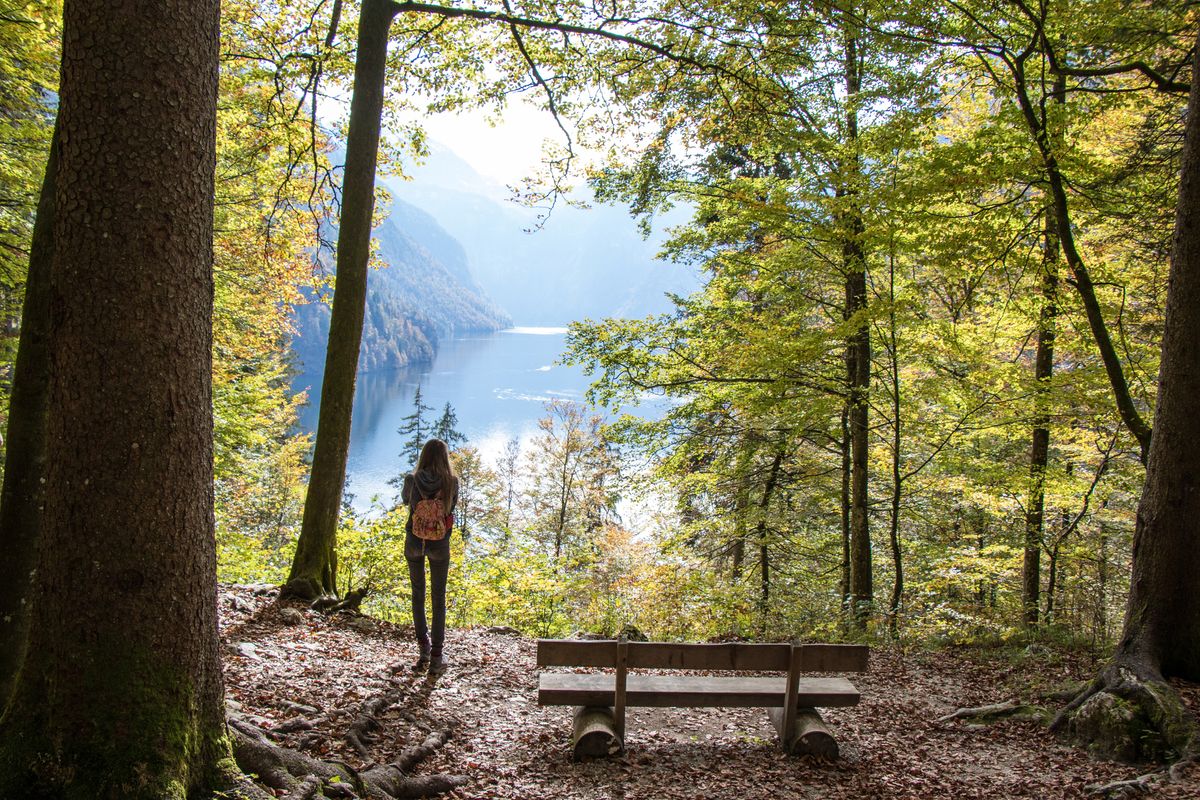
(584, 262)
(424, 292)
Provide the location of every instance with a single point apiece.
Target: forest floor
(305, 684)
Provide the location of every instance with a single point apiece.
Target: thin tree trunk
(1039, 450)
(741, 503)
(120, 693)
(25, 462)
(761, 534)
(858, 354)
(1126, 406)
(844, 579)
(1051, 582)
(1102, 587)
(314, 568)
(897, 479)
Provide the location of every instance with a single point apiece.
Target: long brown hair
(435, 458)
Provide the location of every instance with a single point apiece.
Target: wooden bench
(791, 700)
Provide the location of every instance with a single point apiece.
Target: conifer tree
(447, 430)
(415, 429)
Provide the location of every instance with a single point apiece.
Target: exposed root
(1130, 714)
(412, 756)
(309, 788)
(303, 777)
(367, 721)
(278, 767)
(304, 589)
(1142, 783)
(331, 603)
(1009, 709)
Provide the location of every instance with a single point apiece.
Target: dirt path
(892, 746)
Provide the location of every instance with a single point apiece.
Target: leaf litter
(308, 683)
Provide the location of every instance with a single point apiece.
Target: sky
(504, 153)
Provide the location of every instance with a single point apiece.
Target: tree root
(304, 777)
(1009, 709)
(367, 722)
(331, 603)
(1129, 713)
(307, 790)
(1142, 783)
(304, 589)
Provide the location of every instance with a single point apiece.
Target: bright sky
(505, 153)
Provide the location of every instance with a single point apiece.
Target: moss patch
(1141, 722)
(123, 725)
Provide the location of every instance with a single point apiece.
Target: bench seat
(597, 689)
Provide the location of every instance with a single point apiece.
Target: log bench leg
(808, 737)
(594, 734)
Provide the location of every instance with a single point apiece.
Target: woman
(432, 479)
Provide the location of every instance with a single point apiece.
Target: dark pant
(438, 554)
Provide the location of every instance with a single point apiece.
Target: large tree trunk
(1039, 449)
(314, 568)
(120, 692)
(25, 465)
(1129, 711)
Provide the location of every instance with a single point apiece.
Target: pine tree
(414, 429)
(446, 428)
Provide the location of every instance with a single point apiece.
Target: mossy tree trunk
(314, 568)
(1129, 711)
(120, 694)
(25, 464)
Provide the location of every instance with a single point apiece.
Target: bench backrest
(603, 653)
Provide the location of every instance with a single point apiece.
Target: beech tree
(314, 569)
(1129, 711)
(120, 692)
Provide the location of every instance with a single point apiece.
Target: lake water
(498, 384)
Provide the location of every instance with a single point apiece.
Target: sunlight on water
(498, 384)
(533, 330)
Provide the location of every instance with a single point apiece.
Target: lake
(497, 383)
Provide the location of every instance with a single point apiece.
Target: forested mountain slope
(593, 262)
(423, 291)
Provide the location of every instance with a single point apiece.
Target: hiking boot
(437, 665)
(422, 663)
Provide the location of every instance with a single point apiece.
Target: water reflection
(498, 384)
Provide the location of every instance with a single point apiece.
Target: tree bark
(25, 463)
(761, 534)
(844, 507)
(858, 354)
(897, 440)
(1039, 449)
(1162, 621)
(314, 568)
(1129, 711)
(120, 692)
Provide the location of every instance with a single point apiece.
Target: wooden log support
(795, 663)
(622, 662)
(808, 736)
(594, 734)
